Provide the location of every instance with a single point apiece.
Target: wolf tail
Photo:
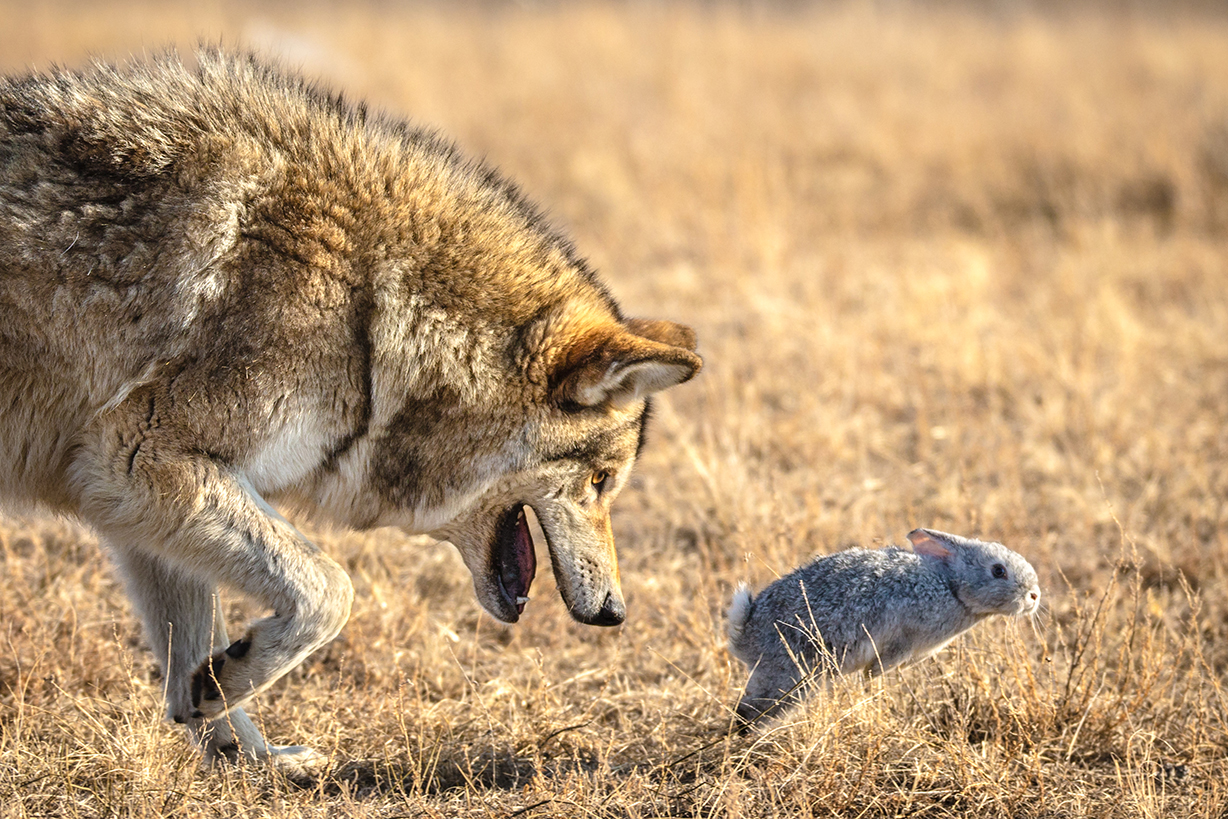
(739, 613)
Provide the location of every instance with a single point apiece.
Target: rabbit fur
(870, 610)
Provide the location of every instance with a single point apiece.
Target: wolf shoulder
(167, 262)
(119, 196)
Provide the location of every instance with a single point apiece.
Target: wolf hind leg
(184, 625)
(204, 519)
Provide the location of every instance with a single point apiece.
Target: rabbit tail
(739, 613)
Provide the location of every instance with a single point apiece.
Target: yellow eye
(599, 479)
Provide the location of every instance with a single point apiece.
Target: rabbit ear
(924, 543)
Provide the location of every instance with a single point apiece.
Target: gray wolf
(221, 289)
(869, 610)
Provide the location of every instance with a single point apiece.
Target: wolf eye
(999, 571)
(599, 478)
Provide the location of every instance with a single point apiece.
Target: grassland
(957, 267)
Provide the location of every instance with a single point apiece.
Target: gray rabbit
(870, 610)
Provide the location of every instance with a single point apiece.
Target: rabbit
(870, 610)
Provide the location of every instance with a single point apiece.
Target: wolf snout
(584, 607)
(612, 613)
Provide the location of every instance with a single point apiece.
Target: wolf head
(584, 426)
(502, 375)
(536, 400)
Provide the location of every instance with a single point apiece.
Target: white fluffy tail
(739, 613)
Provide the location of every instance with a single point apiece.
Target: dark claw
(239, 648)
(204, 681)
(229, 752)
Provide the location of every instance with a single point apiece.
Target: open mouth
(514, 561)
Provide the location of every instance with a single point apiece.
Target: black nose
(612, 613)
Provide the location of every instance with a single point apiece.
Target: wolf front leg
(184, 625)
(200, 517)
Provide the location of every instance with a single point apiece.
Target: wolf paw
(208, 700)
(295, 761)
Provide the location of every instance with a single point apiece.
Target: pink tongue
(526, 560)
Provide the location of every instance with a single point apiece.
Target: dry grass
(949, 268)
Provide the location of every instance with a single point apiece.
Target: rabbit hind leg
(768, 692)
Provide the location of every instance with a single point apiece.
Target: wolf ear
(625, 364)
(666, 332)
(925, 543)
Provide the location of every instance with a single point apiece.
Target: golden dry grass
(955, 267)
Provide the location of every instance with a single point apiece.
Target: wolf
(222, 288)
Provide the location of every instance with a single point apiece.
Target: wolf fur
(222, 289)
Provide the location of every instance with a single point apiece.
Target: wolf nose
(612, 613)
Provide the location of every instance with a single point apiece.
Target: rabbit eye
(999, 571)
